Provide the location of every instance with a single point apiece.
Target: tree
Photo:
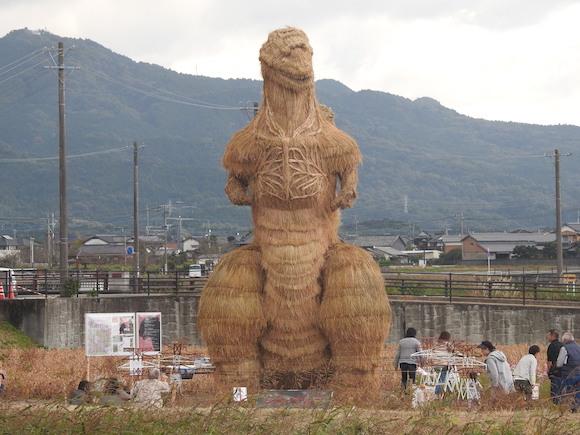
(550, 250)
(452, 257)
(525, 251)
(574, 250)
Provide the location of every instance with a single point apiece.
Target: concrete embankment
(59, 322)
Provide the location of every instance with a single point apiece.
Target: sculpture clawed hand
(344, 199)
(237, 192)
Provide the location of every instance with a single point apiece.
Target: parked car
(195, 270)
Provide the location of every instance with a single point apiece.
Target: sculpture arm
(346, 196)
(237, 190)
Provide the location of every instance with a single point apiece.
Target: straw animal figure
(297, 307)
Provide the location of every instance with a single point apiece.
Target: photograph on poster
(149, 339)
(126, 325)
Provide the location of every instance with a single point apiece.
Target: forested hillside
(424, 164)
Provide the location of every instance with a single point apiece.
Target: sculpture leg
(355, 315)
(231, 319)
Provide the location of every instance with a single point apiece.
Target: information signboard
(109, 334)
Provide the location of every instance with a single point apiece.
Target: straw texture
(297, 305)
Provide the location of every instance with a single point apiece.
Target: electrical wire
(21, 61)
(23, 71)
(39, 159)
(155, 94)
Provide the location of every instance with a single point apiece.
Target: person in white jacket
(525, 372)
(498, 368)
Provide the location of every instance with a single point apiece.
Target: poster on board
(109, 334)
(149, 332)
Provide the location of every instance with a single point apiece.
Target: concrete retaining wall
(59, 322)
(501, 324)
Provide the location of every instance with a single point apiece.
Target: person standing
(147, 393)
(498, 368)
(525, 372)
(569, 361)
(403, 359)
(553, 371)
(443, 351)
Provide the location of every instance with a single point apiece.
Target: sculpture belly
(291, 299)
(292, 229)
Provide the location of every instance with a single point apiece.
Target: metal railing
(454, 287)
(451, 287)
(96, 283)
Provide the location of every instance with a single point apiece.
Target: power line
(21, 61)
(39, 159)
(23, 71)
(156, 94)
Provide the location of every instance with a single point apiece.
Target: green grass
(234, 419)
(11, 338)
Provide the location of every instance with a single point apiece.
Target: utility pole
(32, 252)
(50, 238)
(135, 215)
(559, 248)
(559, 253)
(165, 227)
(180, 229)
(62, 170)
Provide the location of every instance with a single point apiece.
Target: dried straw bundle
(231, 318)
(298, 298)
(356, 316)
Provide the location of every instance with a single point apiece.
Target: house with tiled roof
(571, 233)
(481, 246)
(449, 242)
(381, 241)
(12, 245)
(108, 248)
(8, 243)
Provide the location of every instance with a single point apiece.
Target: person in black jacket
(553, 370)
(81, 395)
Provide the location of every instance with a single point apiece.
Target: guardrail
(95, 283)
(451, 287)
(521, 288)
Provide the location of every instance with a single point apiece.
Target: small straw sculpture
(297, 308)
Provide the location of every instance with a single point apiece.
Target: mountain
(424, 164)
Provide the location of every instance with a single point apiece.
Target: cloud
(515, 60)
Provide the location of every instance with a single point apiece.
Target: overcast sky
(511, 60)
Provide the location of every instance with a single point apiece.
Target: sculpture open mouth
(294, 77)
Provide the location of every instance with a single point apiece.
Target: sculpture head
(286, 58)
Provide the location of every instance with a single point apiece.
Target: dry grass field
(41, 379)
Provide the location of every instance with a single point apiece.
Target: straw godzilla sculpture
(297, 307)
